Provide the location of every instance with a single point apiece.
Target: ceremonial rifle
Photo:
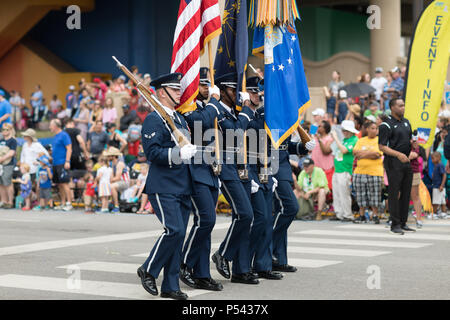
(179, 138)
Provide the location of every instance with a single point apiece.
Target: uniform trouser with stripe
(286, 208)
(173, 212)
(235, 246)
(197, 246)
(261, 231)
(400, 178)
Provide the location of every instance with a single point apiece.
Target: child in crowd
(45, 176)
(138, 188)
(438, 181)
(25, 185)
(89, 192)
(416, 165)
(134, 137)
(103, 179)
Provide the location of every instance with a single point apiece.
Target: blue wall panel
(138, 32)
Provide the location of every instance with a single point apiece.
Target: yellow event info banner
(427, 69)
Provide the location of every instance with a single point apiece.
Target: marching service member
(169, 191)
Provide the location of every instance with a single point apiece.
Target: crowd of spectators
(344, 177)
(93, 152)
(95, 156)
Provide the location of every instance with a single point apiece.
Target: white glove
(243, 96)
(255, 187)
(275, 184)
(214, 90)
(188, 151)
(310, 145)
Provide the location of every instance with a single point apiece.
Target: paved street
(71, 255)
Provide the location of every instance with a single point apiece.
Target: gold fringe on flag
(273, 12)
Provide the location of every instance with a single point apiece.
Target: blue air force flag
(286, 93)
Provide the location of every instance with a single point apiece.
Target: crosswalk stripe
(116, 267)
(336, 251)
(58, 244)
(330, 251)
(311, 263)
(358, 242)
(104, 267)
(425, 229)
(87, 287)
(384, 234)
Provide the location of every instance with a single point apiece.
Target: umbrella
(358, 89)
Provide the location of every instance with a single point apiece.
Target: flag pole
(217, 167)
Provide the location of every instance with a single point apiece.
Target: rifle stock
(155, 103)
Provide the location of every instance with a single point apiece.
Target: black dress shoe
(222, 265)
(271, 275)
(186, 276)
(245, 278)
(407, 229)
(283, 268)
(148, 282)
(208, 284)
(177, 295)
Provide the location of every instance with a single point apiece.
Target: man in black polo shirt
(395, 142)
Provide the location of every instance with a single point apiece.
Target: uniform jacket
(230, 121)
(167, 173)
(205, 113)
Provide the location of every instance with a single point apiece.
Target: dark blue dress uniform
(169, 188)
(285, 202)
(261, 230)
(197, 246)
(236, 243)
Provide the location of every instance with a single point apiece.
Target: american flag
(198, 22)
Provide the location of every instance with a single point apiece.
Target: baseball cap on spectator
(343, 94)
(44, 159)
(125, 106)
(307, 162)
(141, 154)
(374, 103)
(371, 118)
(97, 80)
(122, 77)
(72, 87)
(147, 75)
(349, 125)
(318, 112)
(395, 69)
(378, 70)
(444, 114)
(2, 93)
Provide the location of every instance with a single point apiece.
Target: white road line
(47, 245)
(425, 229)
(104, 266)
(57, 244)
(384, 234)
(330, 251)
(337, 252)
(19, 220)
(129, 268)
(87, 287)
(359, 242)
(311, 263)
